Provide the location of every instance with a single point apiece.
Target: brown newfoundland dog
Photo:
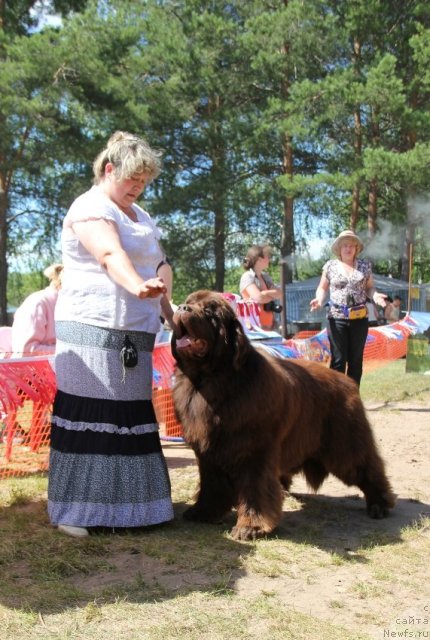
(254, 421)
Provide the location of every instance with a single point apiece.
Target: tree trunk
(218, 178)
(287, 238)
(372, 208)
(355, 206)
(3, 251)
(287, 242)
(372, 205)
(358, 141)
(219, 247)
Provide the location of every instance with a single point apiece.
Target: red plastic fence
(27, 389)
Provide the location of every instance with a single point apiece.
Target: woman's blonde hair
(130, 156)
(53, 273)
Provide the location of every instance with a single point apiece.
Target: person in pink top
(33, 328)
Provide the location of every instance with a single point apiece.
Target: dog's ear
(241, 345)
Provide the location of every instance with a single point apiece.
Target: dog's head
(208, 335)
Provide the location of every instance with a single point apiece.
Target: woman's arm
(165, 272)
(266, 295)
(101, 239)
(320, 294)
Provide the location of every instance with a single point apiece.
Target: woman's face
(126, 191)
(263, 262)
(348, 250)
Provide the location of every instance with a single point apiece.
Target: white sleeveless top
(88, 294)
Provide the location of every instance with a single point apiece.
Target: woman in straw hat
(349, 281)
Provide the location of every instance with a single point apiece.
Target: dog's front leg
(215, 497)
(259, 507)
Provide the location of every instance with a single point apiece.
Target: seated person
(33, 328)
(393, 308)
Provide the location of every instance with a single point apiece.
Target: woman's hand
(380, 299)
(151, 288)
(320, 294)
(315, 304)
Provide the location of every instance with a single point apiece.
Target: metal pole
(410, 277)
(284, 327)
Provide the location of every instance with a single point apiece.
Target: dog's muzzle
(183, 308)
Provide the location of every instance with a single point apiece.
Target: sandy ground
(402, 431)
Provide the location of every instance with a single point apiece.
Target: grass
(391, 383)
(188, 581)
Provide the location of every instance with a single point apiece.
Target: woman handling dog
(106, 465)
(258, 286)
(349, 281)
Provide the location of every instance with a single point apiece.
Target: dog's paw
(247, 533)
(377, 511)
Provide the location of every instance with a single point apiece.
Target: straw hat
(346, 235)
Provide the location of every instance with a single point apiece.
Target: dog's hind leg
(370, 477)
(377, 490)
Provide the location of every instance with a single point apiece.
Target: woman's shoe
(76, 532)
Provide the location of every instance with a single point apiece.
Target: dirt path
(343, 594)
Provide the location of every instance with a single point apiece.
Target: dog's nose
(184, 308)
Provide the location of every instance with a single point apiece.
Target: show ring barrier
(27, 387)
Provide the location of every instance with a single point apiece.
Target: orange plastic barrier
(27, 389)
(164, 363)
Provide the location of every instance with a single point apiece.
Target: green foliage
(232, 92)
(21, 284)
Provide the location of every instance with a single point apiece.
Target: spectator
(393, 308)
(33, 328)
(349, 281)
(258, 286)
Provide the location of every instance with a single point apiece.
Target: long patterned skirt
(106, 464)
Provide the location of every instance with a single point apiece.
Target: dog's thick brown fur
(254, 421)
